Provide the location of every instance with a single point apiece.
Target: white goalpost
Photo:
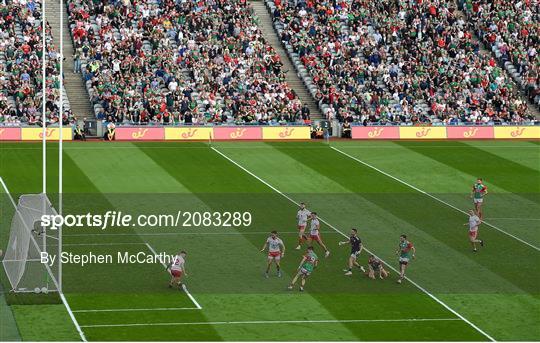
(29, 242)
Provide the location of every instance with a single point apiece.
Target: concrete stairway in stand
(73, 83)
(265, 24)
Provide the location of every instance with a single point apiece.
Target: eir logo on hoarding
(375, 132)
(139, 134)
(517, 132)
(238, 133)
(190, 133)
(286, 133)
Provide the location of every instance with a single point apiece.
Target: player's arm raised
(343, 242)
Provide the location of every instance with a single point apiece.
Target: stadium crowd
(179, 61)
(398, 61)
(512, 28)
(196, 62)
(21, 66)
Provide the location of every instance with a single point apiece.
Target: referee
(356, 249)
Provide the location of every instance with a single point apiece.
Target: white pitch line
(344, 235)
(432, 196)
(243, 145)
(518, 219)
(199, 307)
(62, 297)
(273, 322)
(102, 244)
(186, 233)
(137, 309)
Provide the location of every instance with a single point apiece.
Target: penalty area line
(181, 233)
(431, 196)
(137, 309)
(457, 314)
(273, 322)
(191, 297)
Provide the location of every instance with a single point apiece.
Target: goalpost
(29, 242)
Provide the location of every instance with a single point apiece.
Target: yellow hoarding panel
(287, 132)
(53, 134)
(188, 133)
(422, 132)
(517, 132)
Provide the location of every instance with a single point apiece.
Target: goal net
(29, 245)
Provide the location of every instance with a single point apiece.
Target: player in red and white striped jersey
(177, 269)
(276, 250)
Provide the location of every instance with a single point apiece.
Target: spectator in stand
(21, 73)
(185, 61)
(512, 28)
(399, 62)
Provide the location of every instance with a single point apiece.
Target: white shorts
(478, 200)
(355, 254)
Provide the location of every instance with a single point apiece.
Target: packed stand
(421, 53)
(511, 29)
(328, 40)
(191, 62)
(21, 71)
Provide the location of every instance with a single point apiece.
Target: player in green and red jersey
(406, 251)
(307, 265)
(479, 191)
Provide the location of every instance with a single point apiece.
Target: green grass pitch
(382, 188)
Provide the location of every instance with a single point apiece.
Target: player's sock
(482, 242)
(301, 289)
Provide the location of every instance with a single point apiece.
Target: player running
(376, 266)
(474, 222)
(302, 217)
(356, 249)
(276, 250)
(177, 269)
(479, 191)
(406, 251)
(315, 233)
(309, 261)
